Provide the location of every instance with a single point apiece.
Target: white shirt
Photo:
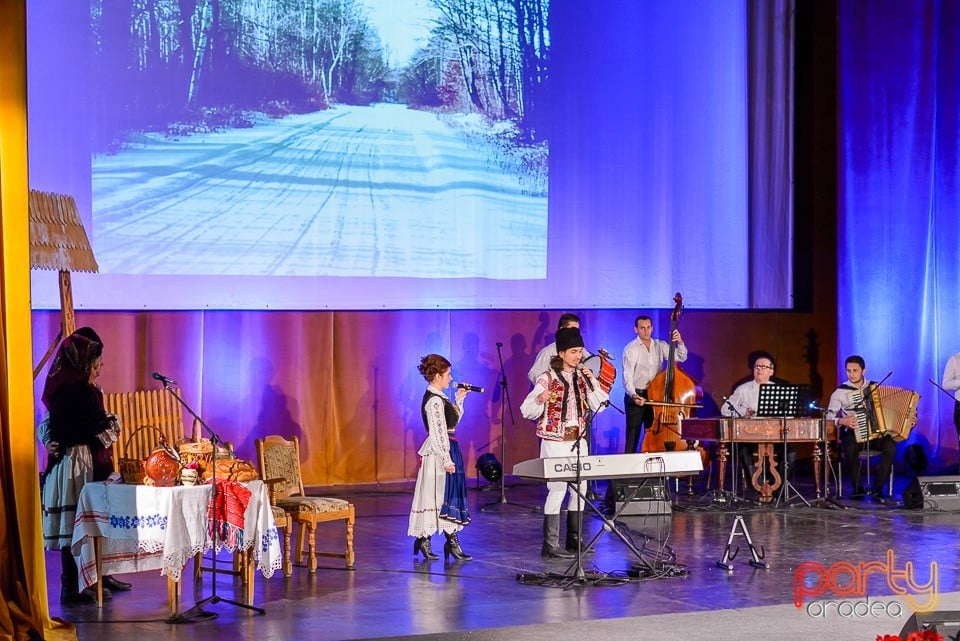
(951, 375)
(843, 401)
(745, 398)
(641, 364)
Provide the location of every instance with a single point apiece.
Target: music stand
(197, 613)
(783, 402)
(504, 405)
(780, 401)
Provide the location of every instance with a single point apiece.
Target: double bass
(672, 394)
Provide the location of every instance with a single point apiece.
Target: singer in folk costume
(561, 402)
(440, 497)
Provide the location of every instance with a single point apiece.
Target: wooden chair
(279, 461)
(156, 410)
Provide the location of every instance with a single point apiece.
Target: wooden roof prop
(59, 241)
(57, 237)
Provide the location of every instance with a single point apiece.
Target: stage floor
(391, 594)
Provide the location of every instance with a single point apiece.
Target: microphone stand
(871, 414)
(504, 405)
(723, 496)
(787, 485)
(579, 576)
(942, 389)
(197, 613)
(826, 501)
(735, 468)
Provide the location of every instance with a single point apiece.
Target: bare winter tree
(500, 49)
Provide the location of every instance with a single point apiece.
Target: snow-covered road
(353, 191)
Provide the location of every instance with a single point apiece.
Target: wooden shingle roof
(57, 238)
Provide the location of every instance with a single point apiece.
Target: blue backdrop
(899, 209)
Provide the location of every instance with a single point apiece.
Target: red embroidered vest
(551, 426)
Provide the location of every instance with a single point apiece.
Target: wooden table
(135, 528)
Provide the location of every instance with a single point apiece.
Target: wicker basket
(132, 469)
(199, 452)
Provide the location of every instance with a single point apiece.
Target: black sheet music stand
(780, 401)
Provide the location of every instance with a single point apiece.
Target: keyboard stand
(610, 525)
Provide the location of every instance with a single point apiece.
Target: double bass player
(643, 358)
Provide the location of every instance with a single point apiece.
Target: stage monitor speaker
(650, 497)
(933, 493)
(945, 622)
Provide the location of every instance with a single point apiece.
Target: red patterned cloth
(225, 513)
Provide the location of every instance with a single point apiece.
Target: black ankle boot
(422, 544)
(452, 547)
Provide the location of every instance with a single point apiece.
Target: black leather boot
(452, 547)
(573, 533)
(551, 538)
(422, 545)
(70, 593)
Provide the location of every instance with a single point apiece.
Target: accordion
(887, 411)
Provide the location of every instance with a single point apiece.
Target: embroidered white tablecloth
(161, 528)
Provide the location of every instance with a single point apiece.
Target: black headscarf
(75, 357)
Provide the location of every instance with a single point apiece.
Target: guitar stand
(728, 556)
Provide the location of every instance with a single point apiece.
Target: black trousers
(639, 418)
(885, 446)
(956, 416)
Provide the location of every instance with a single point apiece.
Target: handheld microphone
(589, 379)
(468, 387)
(163, 379)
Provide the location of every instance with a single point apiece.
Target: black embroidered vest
(449, 410)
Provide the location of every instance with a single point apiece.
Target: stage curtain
(347, 384)
(23, 612)
(899, 126)
(771, 91)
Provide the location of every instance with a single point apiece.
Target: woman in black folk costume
(440, 497)
(80, 433)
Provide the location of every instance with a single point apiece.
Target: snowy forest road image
(380, 190)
